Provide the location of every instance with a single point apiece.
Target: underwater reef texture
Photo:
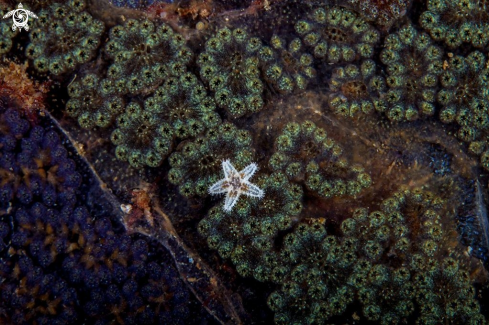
(368, 121)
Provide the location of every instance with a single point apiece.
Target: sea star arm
(252, 190)
(228, 169)
(248, 171)
(219, 187)
(231, 199)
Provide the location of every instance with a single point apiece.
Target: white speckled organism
(236, 183)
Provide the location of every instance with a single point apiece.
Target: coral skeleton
(236, 183)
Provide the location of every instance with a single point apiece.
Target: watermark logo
(20, 17)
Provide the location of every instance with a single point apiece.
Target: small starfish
(236, 183)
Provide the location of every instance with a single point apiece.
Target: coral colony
(131, 132)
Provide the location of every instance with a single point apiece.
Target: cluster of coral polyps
(64, 256)
(348, 117)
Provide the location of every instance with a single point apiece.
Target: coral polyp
(230, 67)
(338, 35)
(413, 66)
(463, 102)
(316, 285)
(356, 90)
(144, 54)
(409, 232)
(94, 102)
(179, 109)
(183, 103)
(458, 93)
(293, 69)
(64, 37)
(141, 139)
(383, 12)
(306, 154)
(457, 22)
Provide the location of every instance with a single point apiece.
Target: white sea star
(236, 183)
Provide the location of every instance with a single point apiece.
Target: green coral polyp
(382, 12)
(307, 155)
(141, 138)
(183, 104)
(292, 69)
(230, 67)
(457, 21)
(316, 287)
(413, 66)
(464, 99)
(93, 102)
(63, 37)
(354, 89)
(408, 230)
(338, 35)
(145, 54)
(179, 109)
(458, 92)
